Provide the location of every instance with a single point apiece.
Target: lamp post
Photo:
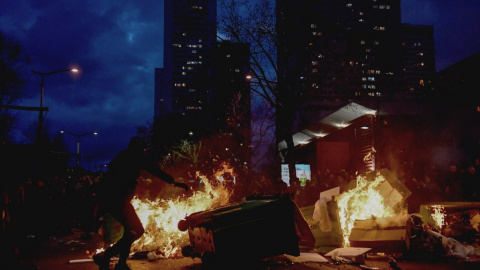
(41, 118)
(77, 137)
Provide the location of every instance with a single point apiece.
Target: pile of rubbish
(458, 234)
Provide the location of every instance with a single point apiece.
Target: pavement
(72, 252)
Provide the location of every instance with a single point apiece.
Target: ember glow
(361, 203)
(438, 215)
(160, 217)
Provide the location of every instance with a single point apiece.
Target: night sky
(118, 44)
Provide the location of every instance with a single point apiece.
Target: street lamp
(41, 118)
(77, 137)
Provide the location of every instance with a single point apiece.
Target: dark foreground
(60, 253)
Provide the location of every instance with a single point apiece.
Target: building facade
(342, 51)
(201, 90)
(183, 84)
(351, 51)
(418, 54)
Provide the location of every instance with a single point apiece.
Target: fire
(438, 215)
(360, 203)
(160, 217)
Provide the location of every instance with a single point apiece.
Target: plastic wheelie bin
(257, 227)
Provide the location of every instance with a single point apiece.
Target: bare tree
(12, 59)
(254, 22)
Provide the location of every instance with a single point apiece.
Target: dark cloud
(116, 45)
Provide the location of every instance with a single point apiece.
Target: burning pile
(160, 217)
(370, 199)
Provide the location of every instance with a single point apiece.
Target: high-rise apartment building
(418, 55)
(183, 86)
(338, 51)
(201, 78)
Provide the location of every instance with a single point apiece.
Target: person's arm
(166, 177)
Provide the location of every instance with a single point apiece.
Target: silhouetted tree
(12, 59)
(273, 75)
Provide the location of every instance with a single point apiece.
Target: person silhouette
(115, 196)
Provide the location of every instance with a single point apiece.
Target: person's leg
(132, 230)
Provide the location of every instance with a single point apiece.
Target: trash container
(258, 227)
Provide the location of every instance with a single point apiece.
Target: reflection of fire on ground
(160, 217)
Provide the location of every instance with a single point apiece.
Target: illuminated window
(349, 5)
(362, 42)
(313, 26)
(421, 82)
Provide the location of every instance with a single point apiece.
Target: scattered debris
(307, 257)
(348, 255)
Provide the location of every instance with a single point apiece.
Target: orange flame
(160, 217)
(360, 203)
(438, 215)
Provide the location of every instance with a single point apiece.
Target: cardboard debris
(329, 194)
(367, 233)
(426, 210)
(392, 190)
(356, 255)
(307, 257)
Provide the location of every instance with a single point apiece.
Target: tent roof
(333, 122)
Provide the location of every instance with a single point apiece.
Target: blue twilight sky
(117, 44)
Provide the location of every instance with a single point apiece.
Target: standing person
(118, 189)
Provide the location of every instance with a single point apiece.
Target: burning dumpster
(258, 227)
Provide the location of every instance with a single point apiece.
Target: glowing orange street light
(41, 118)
